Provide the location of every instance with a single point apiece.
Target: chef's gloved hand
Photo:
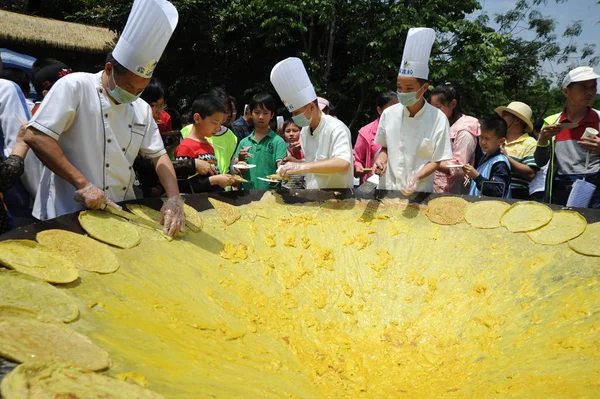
(172, 217)
(94, 198)
(292, 168)
(411, 185)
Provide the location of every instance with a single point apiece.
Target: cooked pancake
(41, 380)
(279, 177)
(78, 248)
(485, 214)
(239, 178)
(13, 311)
(29, 257)
(587, 243)
(22, 291)
(193, 220)
(110, 229)
(564, 226)
(446, 210)
(151, 215)
(145, 212)
(526, 216)
(228, 213)
(23, 339)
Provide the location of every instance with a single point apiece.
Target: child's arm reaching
(492, 187)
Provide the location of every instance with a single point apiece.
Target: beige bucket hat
(520, 110)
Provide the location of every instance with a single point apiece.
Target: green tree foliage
(352, 49)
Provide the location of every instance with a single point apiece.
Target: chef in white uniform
(414, 135)
(325, 140)
(90, 127)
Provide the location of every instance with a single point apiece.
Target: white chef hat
(417, 50)
(292, 83)
(147, 32)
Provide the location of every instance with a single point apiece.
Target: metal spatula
(138, 220)
(369, 186)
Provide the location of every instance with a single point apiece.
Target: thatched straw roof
(29, 30)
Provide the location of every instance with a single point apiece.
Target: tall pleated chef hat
(292, 83)
(147, 32)
(417, 50)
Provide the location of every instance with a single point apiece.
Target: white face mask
(408, 99)
(120, 95)
(301, 120)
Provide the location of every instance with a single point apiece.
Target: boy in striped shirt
(519, 148)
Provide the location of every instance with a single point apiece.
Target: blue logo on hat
(404, 70)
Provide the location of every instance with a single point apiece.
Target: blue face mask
(121, 96)
(301, 120)
(408, 99)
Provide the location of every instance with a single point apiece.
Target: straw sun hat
(520, 110)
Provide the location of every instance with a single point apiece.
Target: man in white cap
(414, 135)
(519, 148)
(90, 127)
(561, 143)
(325, 140)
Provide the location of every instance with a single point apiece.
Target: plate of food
(567, 125)
(278, 177)
(268, 180)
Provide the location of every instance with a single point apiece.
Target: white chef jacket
(412, 142)
(100, 138)
(13, 103)
(331, 139)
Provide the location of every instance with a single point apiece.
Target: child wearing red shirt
(208, 113)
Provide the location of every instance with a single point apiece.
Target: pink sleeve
(360, 152)
(463, 149)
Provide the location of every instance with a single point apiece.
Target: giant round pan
(314, 294)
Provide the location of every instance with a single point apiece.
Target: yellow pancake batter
(314, 301)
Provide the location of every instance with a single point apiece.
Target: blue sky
(587, 11)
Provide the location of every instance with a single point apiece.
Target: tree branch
(331, 42)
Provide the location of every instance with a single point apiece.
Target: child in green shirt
(263, 148)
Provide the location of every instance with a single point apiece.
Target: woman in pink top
(365, 149)
(464, 131)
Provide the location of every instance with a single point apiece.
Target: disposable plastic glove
(411, 185)
(292, 168)
(94, 198)
(172, 217)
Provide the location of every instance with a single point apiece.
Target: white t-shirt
(331, 139)
(11, 106)
(412, 142)
(100, 138)
(13, 103)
